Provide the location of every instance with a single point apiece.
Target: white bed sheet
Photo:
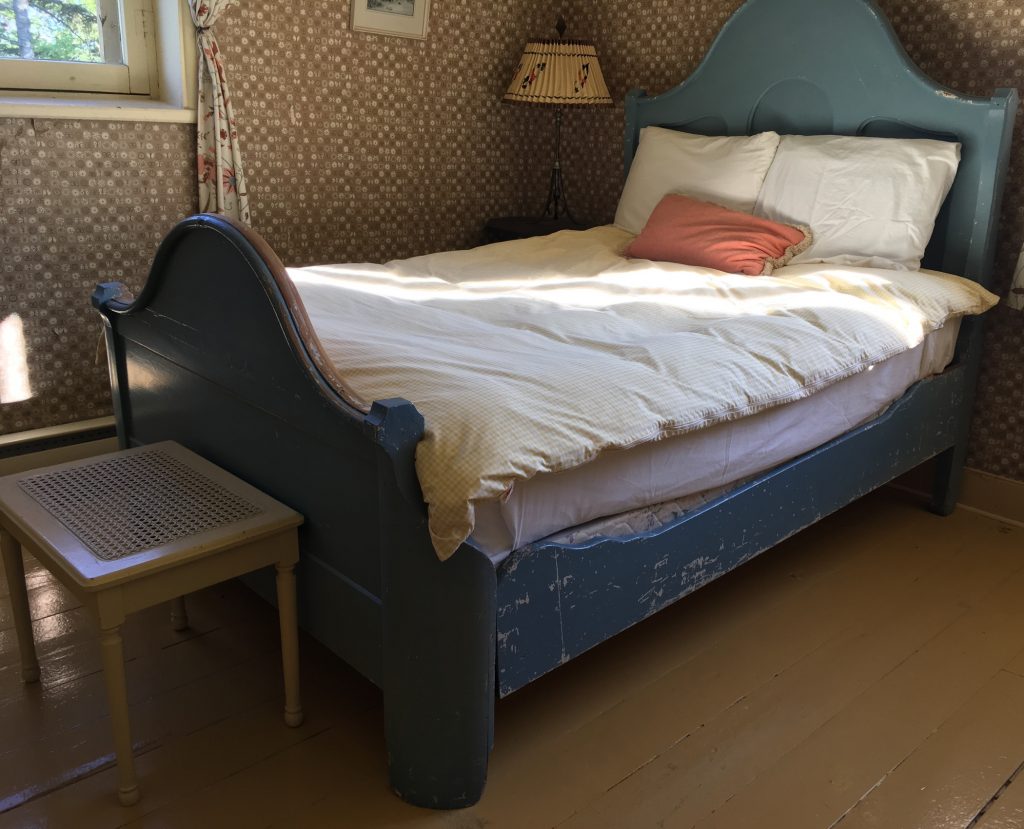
(535, 356)
(651, 474)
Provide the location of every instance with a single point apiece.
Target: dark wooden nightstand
(505, 228)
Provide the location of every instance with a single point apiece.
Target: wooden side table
(131, 529)
(506, 228)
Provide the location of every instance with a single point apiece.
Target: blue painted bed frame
(211, 354)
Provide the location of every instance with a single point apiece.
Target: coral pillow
(705, 235)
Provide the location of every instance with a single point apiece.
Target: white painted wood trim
(63, 430)
(171, 72)
(129, 46)
(59, 454)
(983, 493)
(65, 75)
(177, 56)
(1001, 498)
(95, 109)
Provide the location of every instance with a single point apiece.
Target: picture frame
(398, 18)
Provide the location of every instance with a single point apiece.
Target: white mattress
(681, 467)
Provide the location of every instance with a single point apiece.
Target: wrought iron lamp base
(557, 205)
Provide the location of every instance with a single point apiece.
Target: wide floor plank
(867, 672)
(816, 783)
(705, 767)
(1007, 810)
(925, 790)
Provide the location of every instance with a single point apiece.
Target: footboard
(217, 353)
(212, 354)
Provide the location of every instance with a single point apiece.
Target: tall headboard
(817, 67)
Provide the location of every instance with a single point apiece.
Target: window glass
(60, 30)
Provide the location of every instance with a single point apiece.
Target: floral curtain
(221, 181)
(1015, 299)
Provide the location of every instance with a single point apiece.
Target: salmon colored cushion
(705, 235)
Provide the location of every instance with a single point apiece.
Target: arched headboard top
(818, 67)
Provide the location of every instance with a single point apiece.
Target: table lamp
(558, 73)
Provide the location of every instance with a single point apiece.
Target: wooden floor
(869, 672)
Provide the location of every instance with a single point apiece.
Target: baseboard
(1001, 498)
(56, 444)
(984, 493)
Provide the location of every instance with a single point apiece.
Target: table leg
(179, 614)
(112, 651)
(286, 608)
(15, 568)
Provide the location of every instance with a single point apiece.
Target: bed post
(949, 464)
(439, 621)
(997, 137)
(948, 472)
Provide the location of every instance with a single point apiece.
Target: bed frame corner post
(950, 463)
(1000, 123)
(949, 475)
(439, 622)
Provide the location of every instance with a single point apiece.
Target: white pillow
(725, 170)
(870, 202)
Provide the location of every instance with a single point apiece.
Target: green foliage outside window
(50, 30)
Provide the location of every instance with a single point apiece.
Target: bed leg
(439, 629)
(439, 623)
(949, 465)
(949, 474)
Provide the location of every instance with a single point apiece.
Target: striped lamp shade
(558, 72)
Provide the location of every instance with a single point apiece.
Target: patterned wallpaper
(362, 147)
(83, 202)
(357, 148)
(973, 46)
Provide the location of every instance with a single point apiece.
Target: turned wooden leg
(112, 651)
(286, 608)
(179, 614)
(15, 568)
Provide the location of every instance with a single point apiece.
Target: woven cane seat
(135, 501)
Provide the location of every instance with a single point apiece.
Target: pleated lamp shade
(558, 72)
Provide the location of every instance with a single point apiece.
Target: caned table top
(121, 515)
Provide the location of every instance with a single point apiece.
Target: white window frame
(156, 82)
(129, 76)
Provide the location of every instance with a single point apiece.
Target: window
(87, 46)
(101, 55)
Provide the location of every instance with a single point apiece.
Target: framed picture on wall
(404, 18)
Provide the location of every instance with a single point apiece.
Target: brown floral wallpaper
(362, 147)
(83, 202)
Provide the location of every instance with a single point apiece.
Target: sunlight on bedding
(575, 350)
(586, 272)
(14, 382)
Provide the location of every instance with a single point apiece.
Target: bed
(214, 353)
